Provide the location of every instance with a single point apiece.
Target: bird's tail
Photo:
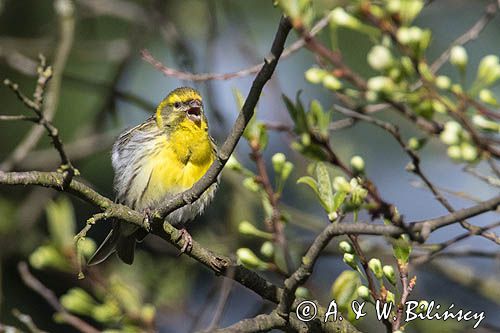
(119, 241)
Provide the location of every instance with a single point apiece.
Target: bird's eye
(177, 105)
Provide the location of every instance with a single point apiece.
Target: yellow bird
(165, 155)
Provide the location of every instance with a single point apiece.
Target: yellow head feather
(179, 95)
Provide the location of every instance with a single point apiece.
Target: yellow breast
(181, 160)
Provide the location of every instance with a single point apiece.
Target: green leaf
(325, 187)
(402, 248)
(61, 223)
(344, 288)
(297, 113)
(308, 180)
(338, 200)
(262, 136)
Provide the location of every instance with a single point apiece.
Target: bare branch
(471, 34)
(182, 75)
(66, 28)
(51, 298)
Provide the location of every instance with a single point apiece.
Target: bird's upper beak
(194, 111)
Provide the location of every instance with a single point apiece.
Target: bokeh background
(106, 87)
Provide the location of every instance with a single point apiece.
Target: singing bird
(165, 155)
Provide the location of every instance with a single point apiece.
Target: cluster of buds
(282, 169)
(459, 142)
(357, 192)
(317, 75)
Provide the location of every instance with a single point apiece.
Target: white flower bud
(484, 123)
(379, 57)
(250, 260)
(403, 35)
(376, 267)
(443, 82)
(364, 293)
(381, 84)
(278, 161)
(458, 57)
(453, 126)
(350, 259)
(414, 143)
(449, 137)
(438, 106)
(469, 152)
(454, 152)
(340, 17)
(415, 34)
(315, 75)
(486, 96)
(489, 70)
(341, 184)
(302, 292)
(390, 298)
(346, 247)
(389, 274)
(331, 82)
(357, 163)
(267, 249)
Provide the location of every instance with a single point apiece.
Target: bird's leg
(148, 217)
(188, 240)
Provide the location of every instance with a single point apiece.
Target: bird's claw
(148, 217)
(188, 241)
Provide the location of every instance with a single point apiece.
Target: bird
(157, 159)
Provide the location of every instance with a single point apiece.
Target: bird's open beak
(194, 112)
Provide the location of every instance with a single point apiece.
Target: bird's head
(181, 104)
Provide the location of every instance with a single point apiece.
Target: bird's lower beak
(194, 114)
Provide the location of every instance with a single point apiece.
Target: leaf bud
(364, 293)
(357, 164)
(250, 260)
(458, 57)
(376, 267)
(350, 259)
(315, 75)
(389, 274)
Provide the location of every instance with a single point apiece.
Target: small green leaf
(61, 223)
(338, 200)
(297, 113)
(402, 248)
(345, 286)
(325, 187)
(308, 180)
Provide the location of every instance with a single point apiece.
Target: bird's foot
(148, 218)
(188, 241)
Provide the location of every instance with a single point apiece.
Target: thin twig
(66, 28)
(471, 34)
(182, 75)
(51, 298)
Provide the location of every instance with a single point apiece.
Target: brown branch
(442, 246)
(260, 323)
(276, 223)
(414, 167)
(51, 298)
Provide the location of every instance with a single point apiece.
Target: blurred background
(106, 87)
